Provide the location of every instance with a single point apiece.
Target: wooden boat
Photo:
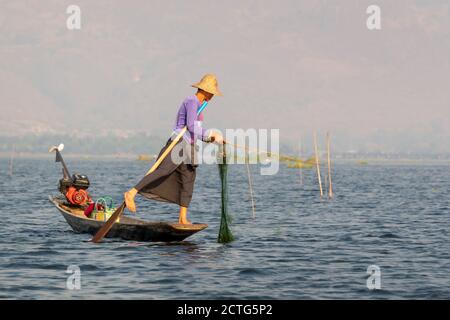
(128, 228)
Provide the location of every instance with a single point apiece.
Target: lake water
(298, 247)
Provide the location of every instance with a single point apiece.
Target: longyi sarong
(171, 182)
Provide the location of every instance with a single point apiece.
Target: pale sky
(295, 65)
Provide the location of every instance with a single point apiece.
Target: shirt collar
(198, 101)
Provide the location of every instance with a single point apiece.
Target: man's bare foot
(184, 221)
(129, 199)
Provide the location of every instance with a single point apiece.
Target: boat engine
(74, 187)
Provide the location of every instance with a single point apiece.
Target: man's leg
(129, 199)
(182, 219)
(187, 176)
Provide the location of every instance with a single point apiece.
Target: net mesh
(225, 234)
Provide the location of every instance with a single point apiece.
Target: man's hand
(216, 137)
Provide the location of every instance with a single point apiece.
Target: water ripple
(298, 247)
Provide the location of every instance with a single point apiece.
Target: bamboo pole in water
(300, 167)
(250, 183)
(330, 185)
(11, 161)
(318, 164)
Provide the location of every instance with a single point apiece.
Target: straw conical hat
(209, 84)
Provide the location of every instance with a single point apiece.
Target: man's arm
(193, 126)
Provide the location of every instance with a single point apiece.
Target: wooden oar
(108, 224)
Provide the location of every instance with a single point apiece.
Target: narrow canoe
(128, 228)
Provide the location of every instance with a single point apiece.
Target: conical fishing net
(225, 234)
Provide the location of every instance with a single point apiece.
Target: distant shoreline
(26, 155)
(128, 156)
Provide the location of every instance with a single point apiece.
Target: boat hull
(128, 228)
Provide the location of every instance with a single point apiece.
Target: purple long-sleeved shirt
(187, 117)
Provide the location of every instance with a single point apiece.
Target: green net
(225, 234)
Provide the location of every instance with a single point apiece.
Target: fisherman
(173, 181)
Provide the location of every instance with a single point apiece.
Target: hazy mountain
(295, 65)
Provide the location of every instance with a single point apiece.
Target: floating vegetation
(300, 165)
(145, 157)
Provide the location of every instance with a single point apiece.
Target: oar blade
(98, 237)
